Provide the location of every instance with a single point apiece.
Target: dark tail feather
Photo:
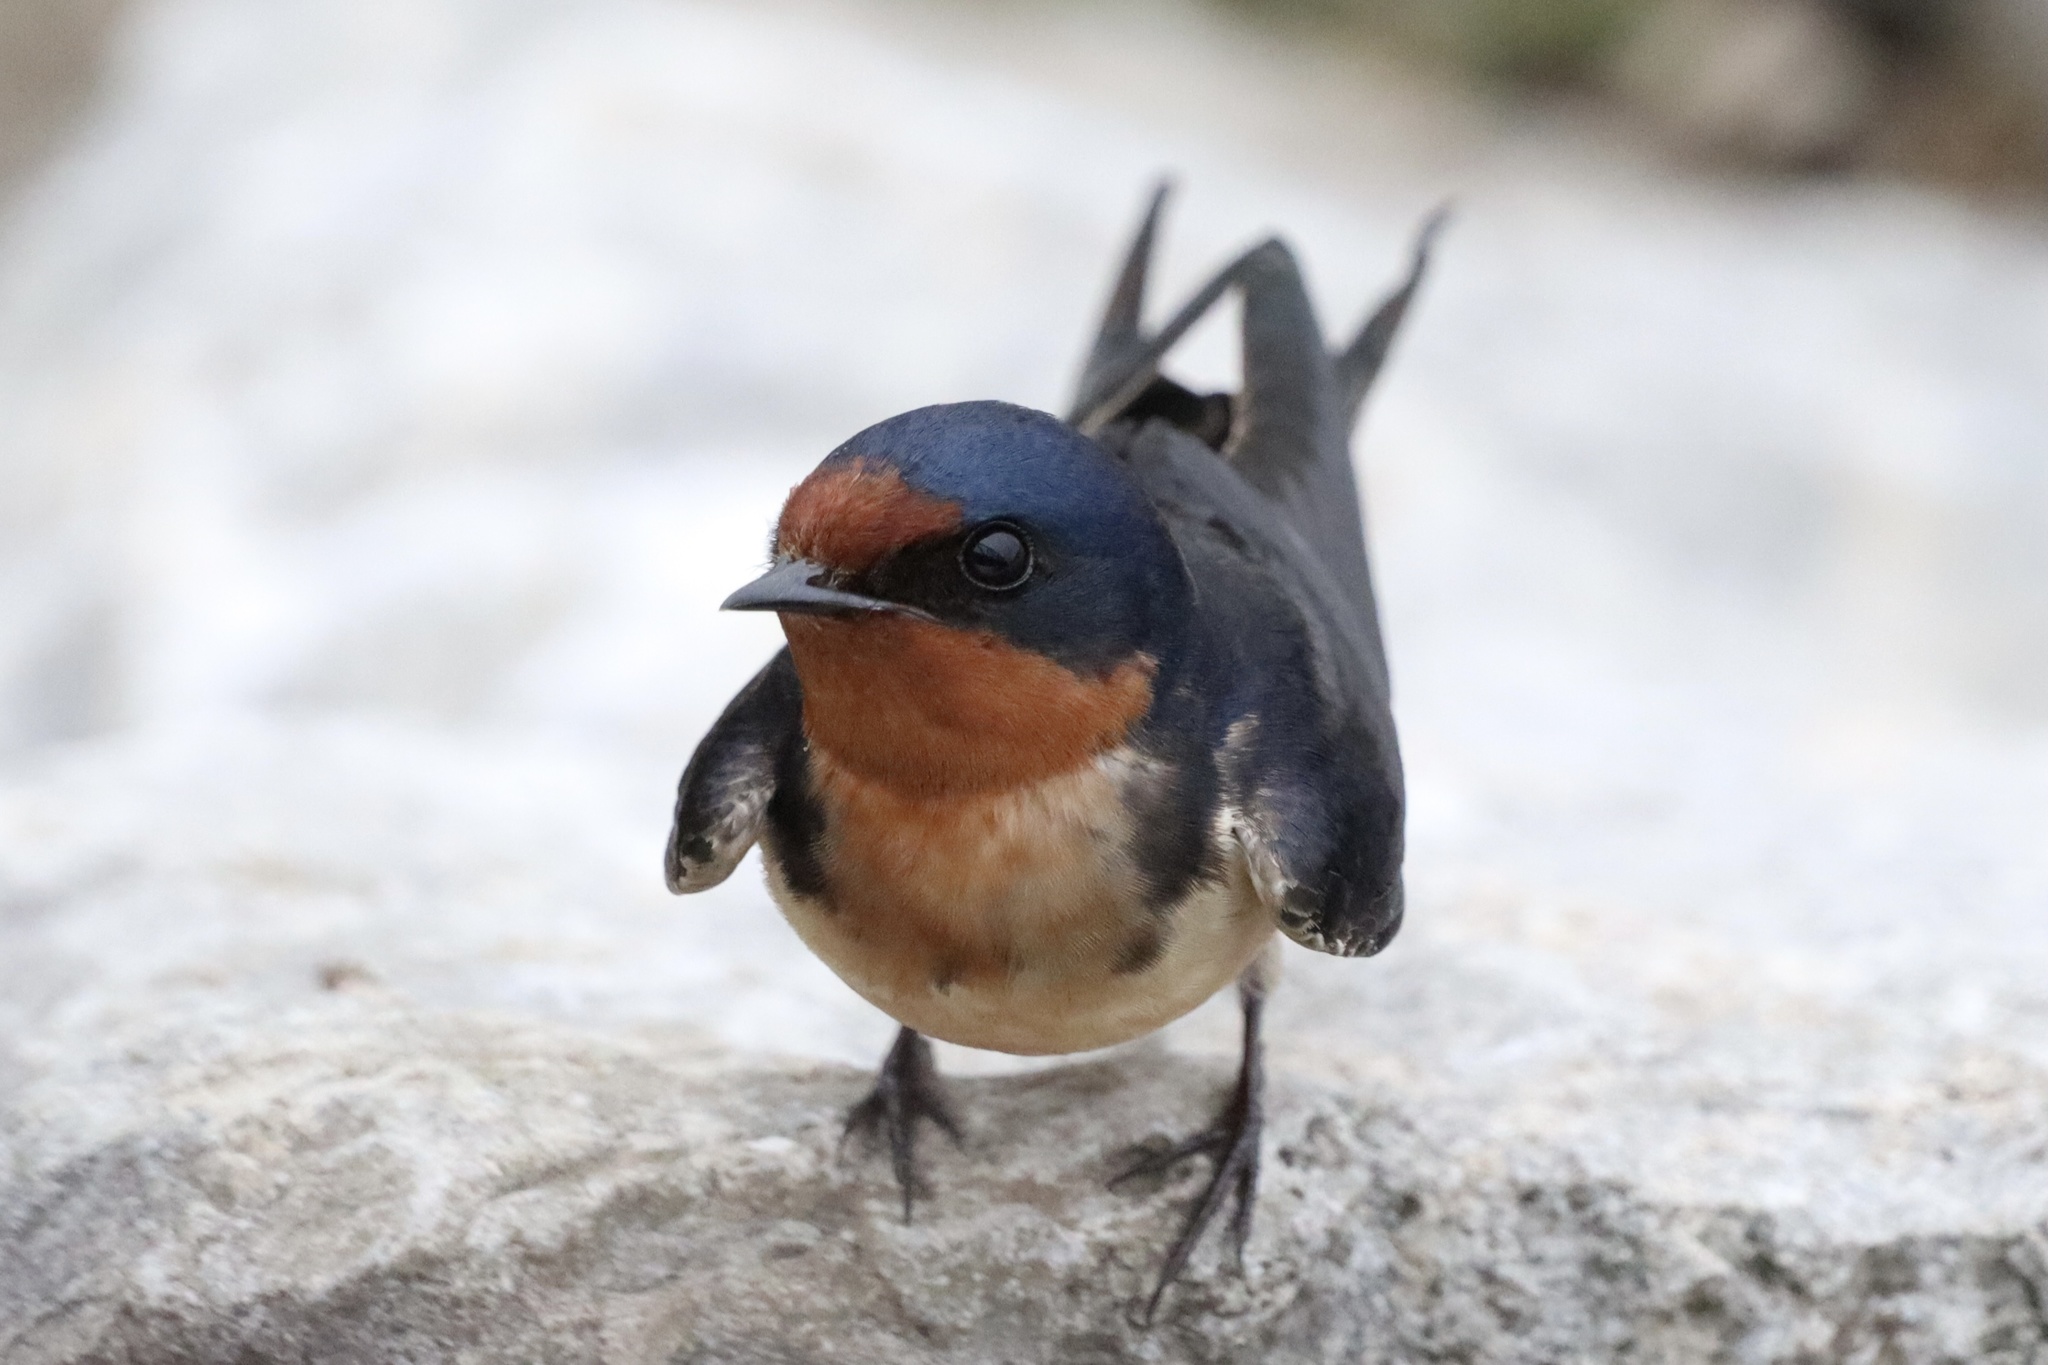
(1122, 335)
(1359, 363)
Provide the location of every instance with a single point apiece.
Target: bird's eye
(996, 557)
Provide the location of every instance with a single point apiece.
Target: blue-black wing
(724, 794)
(1311, 774)
(1288, 431)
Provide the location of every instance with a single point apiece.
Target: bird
(1078, 715)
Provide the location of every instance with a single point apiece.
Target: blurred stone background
(389, 391)
(50, 62)
(1946, 90)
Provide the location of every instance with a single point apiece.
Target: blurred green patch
(1541, 42)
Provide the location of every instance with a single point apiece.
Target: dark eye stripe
(996, 557)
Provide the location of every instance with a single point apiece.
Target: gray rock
(50, 57)
(1777, 82)
(369, 1183)
(315, 1053)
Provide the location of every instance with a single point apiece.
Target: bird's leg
(906, 1089)
(1233, 1140)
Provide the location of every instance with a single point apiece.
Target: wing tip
(1358, 364)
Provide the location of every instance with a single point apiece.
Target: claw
(1233, 1141)
(1203, 1143)
(906, 1089)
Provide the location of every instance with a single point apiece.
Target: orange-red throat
(933, 710)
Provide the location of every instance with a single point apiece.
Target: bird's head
(975, 596)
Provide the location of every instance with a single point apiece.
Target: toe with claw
(906, 1089)
(1232, 1142)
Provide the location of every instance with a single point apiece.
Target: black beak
(792, 585)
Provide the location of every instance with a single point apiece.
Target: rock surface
(388, 393)
(1776, 82)
(375, 1184)
(321, 1051)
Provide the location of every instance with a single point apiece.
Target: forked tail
(1288, 430)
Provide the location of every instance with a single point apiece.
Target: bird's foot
(906, 1089)
(1233, 1142)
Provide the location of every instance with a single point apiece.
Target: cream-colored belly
(1016, 921)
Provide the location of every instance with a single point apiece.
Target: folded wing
(725, 791)
(1313, 783)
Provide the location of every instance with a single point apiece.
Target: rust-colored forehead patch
(852, 516)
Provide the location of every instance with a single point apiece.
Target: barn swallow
(1075, 714)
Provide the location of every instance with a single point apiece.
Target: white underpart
(1065, 842)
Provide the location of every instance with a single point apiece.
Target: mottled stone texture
(317, 1052)
(372, 1185)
